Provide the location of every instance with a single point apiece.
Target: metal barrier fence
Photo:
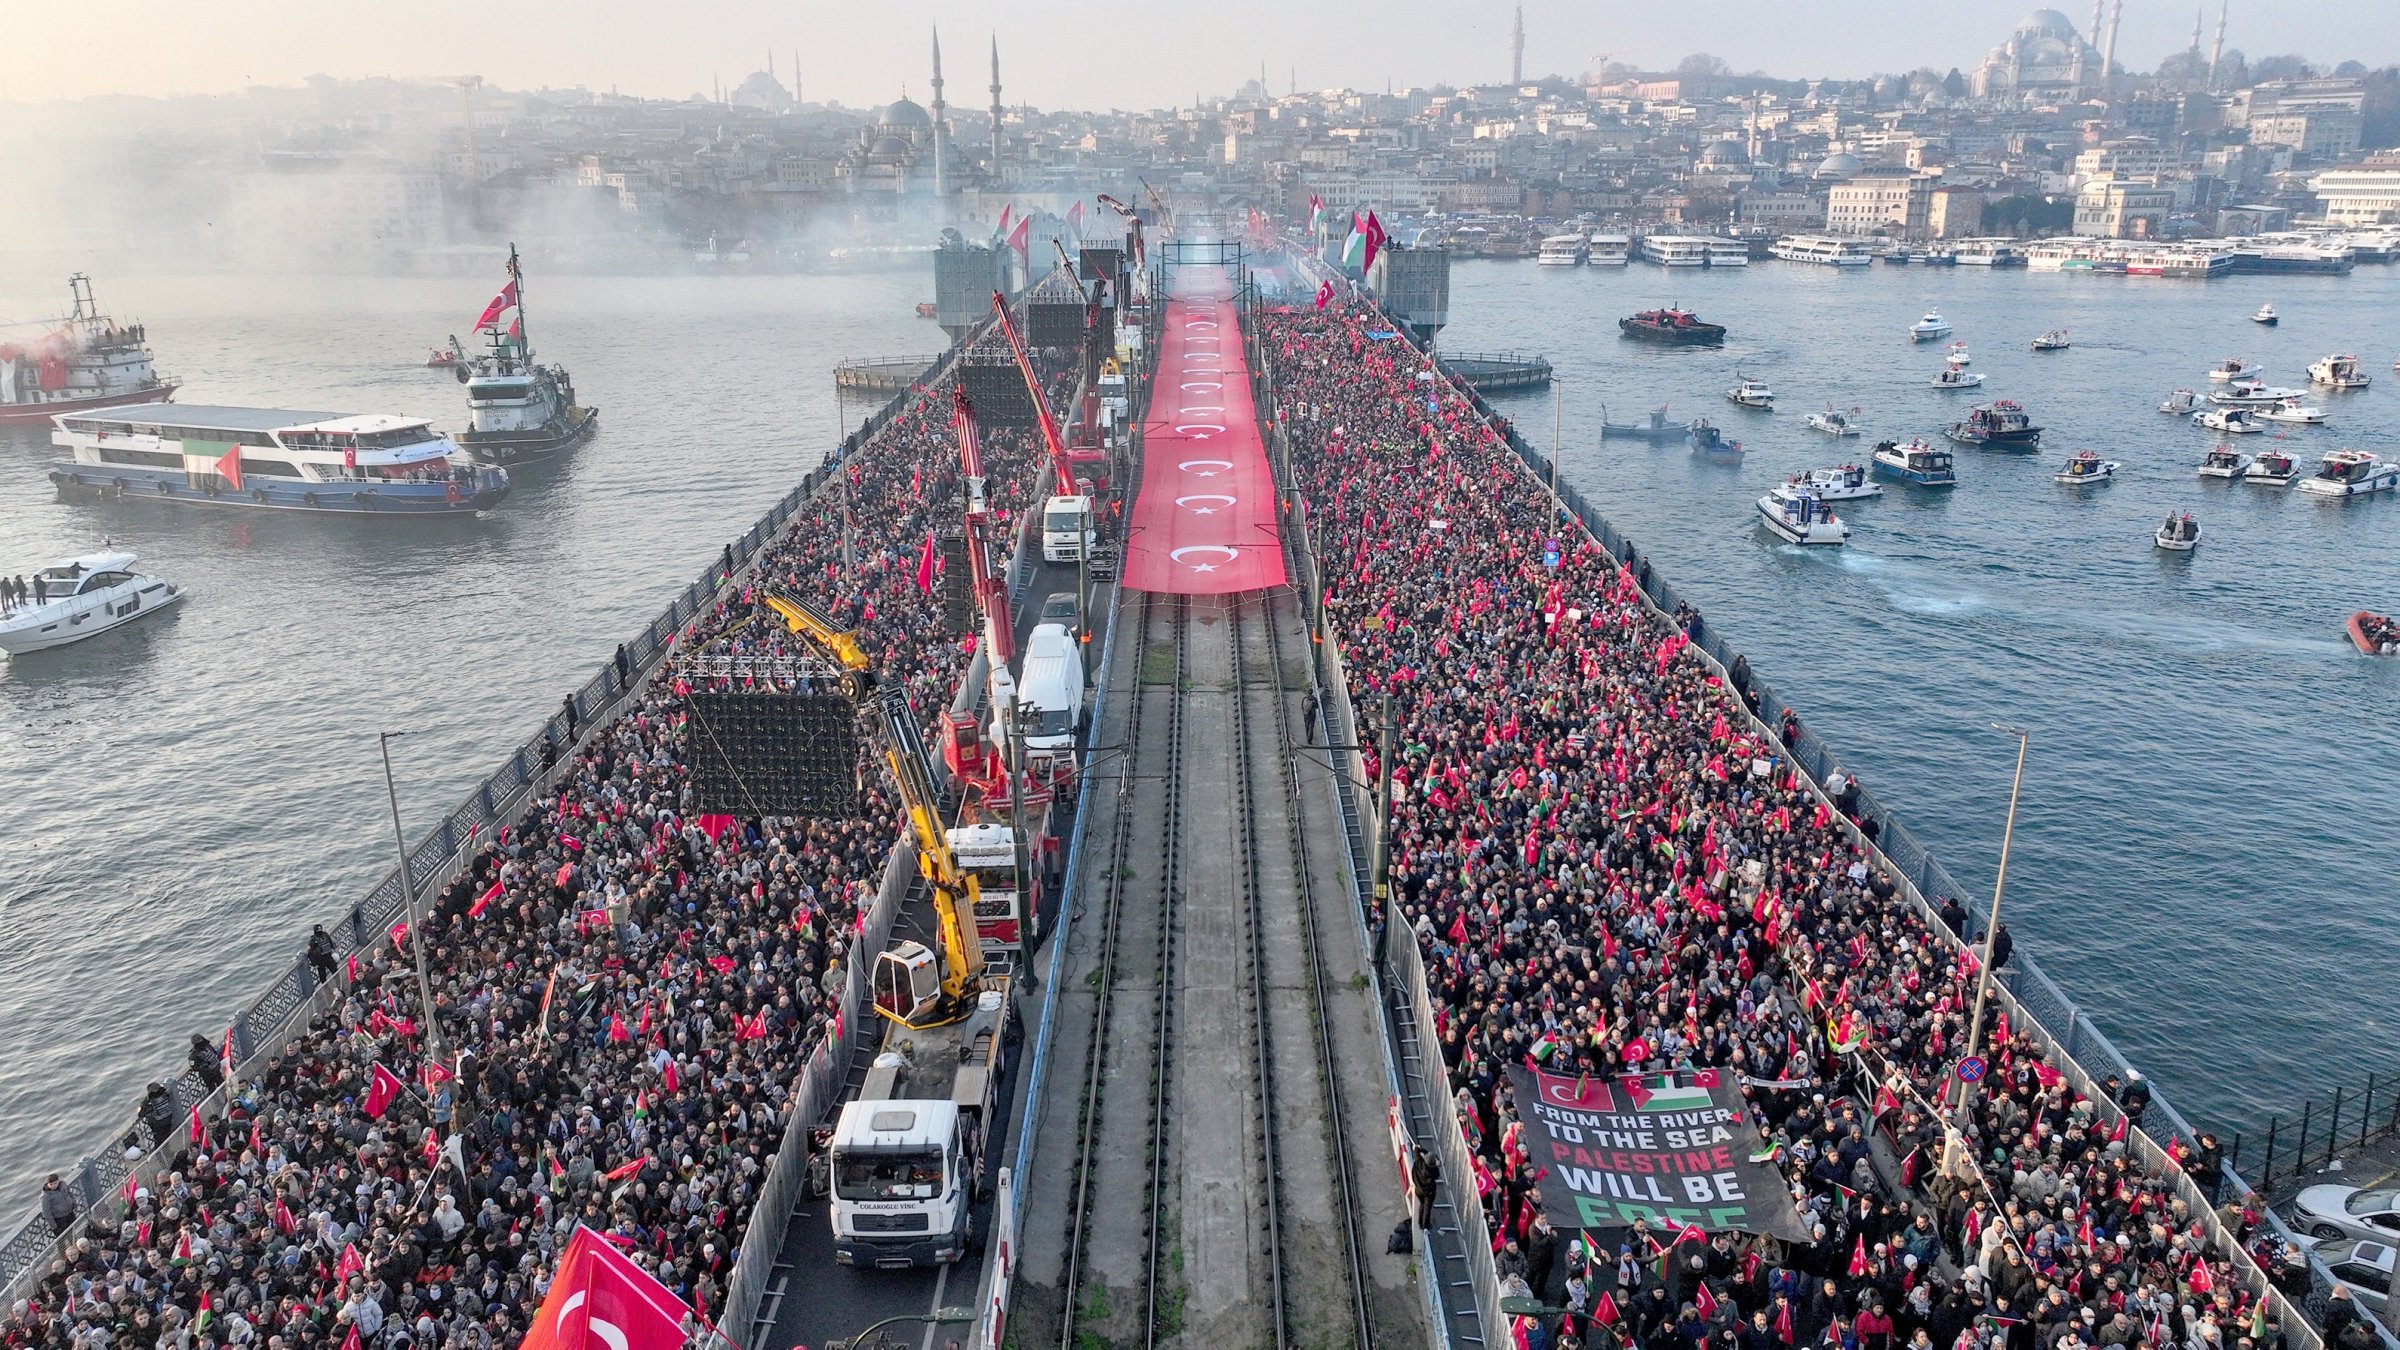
(2324, 1129)
(271, 1020)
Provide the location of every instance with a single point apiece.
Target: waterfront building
(2115, 208)
(1879, 201)
(1954, 212)
(2316, 119)
(2358, 196)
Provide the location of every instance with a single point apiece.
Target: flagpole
(408, 895)
(1983, 972)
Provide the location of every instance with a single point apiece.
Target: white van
(1050, 693)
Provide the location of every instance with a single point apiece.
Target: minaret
(1516, 50)
(2108, 49)
(995, 105)
(2216, 54)
(2199, 17)
(941, 176)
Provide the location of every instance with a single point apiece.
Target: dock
(881, 376)
(1498, 372)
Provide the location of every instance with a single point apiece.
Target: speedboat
(2274, 468)
(1832, 423)
(1843, 482)
(2223, 462)
(1999, 425)
(1705, 439)
(1751, 394)
(2338, 372)
(2181, 401)
(2086, 467)
(1932, 326)
(2053, 341)
(438, 359)
(2374, 634)
(2351, 473)
(1954, 378)
(2180, 533)
(1797, 514)
(1915, 461)
(2265, 315)
(2232, 368)
(2293, 412)
(2231, 421)
(82, 597)
(2250, 393)
(1955, 355)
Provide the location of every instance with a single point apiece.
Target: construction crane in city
(467, 85)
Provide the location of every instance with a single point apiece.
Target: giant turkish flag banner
(601, 1300)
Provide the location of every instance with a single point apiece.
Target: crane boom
(1063, 476)
(991, 592)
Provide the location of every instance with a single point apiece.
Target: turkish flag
(1376, 239)
(381, 1089)
(601, 1300)
(925, 566)
(229, 467)
(501, 304)
(1021, 240)
(1324, 294)
(1859, 1266)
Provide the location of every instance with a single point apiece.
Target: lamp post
(1558, 442)
(1983, 971)
(938, 1317)
(408, 905)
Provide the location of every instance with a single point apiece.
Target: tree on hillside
(1701, 63)
(2290, 66)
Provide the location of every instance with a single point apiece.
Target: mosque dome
(1724, 155)
(1839, 165)
(889, 146)
(906, 115)
(2046, 23)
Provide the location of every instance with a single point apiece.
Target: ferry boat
(82, 597)
(2223, 462)
(2084, 468)
(1705, 439)
(2181, 401)
(1728, 253)
(1672, 325)
(2053, 341)
(2265, 315)
(1609, 250)
(520, 412)
(1675, 250)
(1752, 393)
(2338, 372)
(1658, 428)
(2232, 368)
(1798, 515)
(270, 459)
(1916, 462)
(2351, 473)
(1938, 256)
(2318, 259)
(1842, 482)
(2180, 533)
(2374, 634)
(1999, 425)
(1831, 422)
(2231, 421)
(1825, 249)
(86, 360)
(1560, 250)
(2274, 468)
(1988, 253)
(1954, 378)
(1932, 326)
(2293, 412)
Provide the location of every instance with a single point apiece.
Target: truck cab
(1066, 528)
(906, 1158)
(987, 851)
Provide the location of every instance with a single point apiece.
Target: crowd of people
(1609, 867)
(626, 992)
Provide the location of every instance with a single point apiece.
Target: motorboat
(439, 359)
(1678, 326)
(1832, 422)
(2252, 394)
(2338, 372)
(81, 597)
(1705, 439)
(2273, 468)
(2086, 467)
(2374, 634)
(2351, 473)
(2231, 421)
(1932, 326)
(2053, 341)
(1798, 515)
(926, 309)
(1915, 461)
(1954, 378)
(1658, 428)
(1999, 425)
(1842, 482)
(2266, 315)
(2179, 534)
(2181, 401)
(1751, 394)
(1955, 356)
(2292, 412)
(2223, 462)
(2232, 368)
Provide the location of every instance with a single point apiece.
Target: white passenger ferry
(1675, 250)
(1610, 250)
(1561, 250)
(270, 459)
(1988, 253)
(1824, 249)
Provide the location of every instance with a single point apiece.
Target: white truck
(907, 1157)
(1066, 528)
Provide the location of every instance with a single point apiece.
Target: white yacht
(2224, 462)
(270, 459)
(2293, 412)
(2274, 468)
(1798, 515)
(2352, 473)
(1560, 250)
(1752, 393)
(1932, 326)
(2232, 421)
(2232, 368)
(1841, 483)
(1610, 250)
(2181, 401)
(2251, 394)
(2084, 468)
(1832, 422)
(1828, 250)
(1954, 378)
(2338, 372)
(2180, 533)
(2265, 315)
(82, 597)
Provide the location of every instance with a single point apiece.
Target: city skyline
(1143, 60)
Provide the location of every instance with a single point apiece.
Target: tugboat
(1752, 393)
(2351, 473)
(2374, 634)
(2265, 316)
(523, 413)
(2181, 401)
(1832, 423)
(2338, 372)
(2231, 421)
(2053, 341)
(2274, 468)
(2000, 425)
(1678, 326)
(1932, 326)
(87, 360)
(1798, 515)
(1915, 462)
(1705, 439)
(1658, 428)
(1954, 378)
(2084, 468)
(82, 597)
(1843, 482)
(2223, 462)
(2180, 533)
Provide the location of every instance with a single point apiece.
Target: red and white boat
(2374, 634)
(85, 360)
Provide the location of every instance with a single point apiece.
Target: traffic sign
(1971, 1069)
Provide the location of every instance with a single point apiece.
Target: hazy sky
(1068, 53)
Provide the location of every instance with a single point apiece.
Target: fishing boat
(1798, 515)
(2351, 473)
(2231, 421)
(2181, 401)
(2272, 468)
(1705, 439)
(1842, 482)
(2293, 412)
(1954, 378)
(1955, 356)
(1751, 393)
(1678, 326)
(521, 412)
(2265, 314)
(2374, 634)
(2179, 534)
(82, 597)
(1658, 428)
(85, 360)
(2223, 462)
(2053, 341)
(2086, 467)
(270, 459)
(1915, 461)
(2000, 425)
(2232, 368)
(2338, 372)
(1932, 326)
(1832, 422)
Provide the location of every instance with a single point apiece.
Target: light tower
(1516, 50)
